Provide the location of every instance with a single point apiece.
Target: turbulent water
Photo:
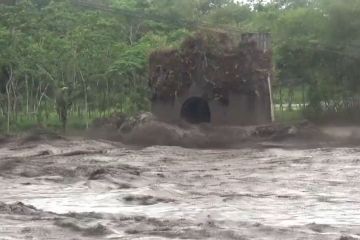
(87, 189)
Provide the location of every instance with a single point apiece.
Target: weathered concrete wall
(249, 104)
(241, 110)
(262, 40)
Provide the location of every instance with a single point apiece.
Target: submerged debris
(146, 200)
(74, 225)
(121, 122)
(348, 238)
(115, 121)
(146, 130)
(40, 135)
(19, 208)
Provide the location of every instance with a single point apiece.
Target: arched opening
(196, 110)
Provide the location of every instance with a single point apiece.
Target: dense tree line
(94, 60)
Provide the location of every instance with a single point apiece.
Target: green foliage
(288, 116)
(316, 45)
(101, 57)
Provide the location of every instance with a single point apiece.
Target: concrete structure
(228, 88)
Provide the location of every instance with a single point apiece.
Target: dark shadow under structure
(196, 110)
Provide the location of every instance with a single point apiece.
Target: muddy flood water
(92, 189)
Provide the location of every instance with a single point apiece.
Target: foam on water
(272, 187)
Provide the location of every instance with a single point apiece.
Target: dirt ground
(75, 188)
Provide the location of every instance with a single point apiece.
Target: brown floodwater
(92, 189)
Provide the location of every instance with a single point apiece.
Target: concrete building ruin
(213, 79)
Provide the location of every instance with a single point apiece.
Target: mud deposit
(87, 189)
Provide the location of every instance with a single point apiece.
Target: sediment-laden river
(87, 189)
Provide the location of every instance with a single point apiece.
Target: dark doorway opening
(196, 110)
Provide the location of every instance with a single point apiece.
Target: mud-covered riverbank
(61, 188)
(145, 130)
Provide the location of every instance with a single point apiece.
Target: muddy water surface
(85, 189)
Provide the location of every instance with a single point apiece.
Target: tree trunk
(27, 94)
(85, 100)
(281, 98)
(8, 86)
